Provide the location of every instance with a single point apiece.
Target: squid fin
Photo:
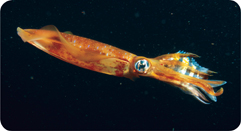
(68, 32)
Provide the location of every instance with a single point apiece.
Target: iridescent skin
(107, 59)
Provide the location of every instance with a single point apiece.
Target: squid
(178, 69)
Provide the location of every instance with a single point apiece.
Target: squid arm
(178, 69)
(170, 72)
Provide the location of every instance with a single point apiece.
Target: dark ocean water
(39, 91)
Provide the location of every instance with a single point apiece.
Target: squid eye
(142, 66)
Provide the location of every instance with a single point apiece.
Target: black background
(39, 91)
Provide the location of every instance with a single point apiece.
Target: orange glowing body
(178, 69)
